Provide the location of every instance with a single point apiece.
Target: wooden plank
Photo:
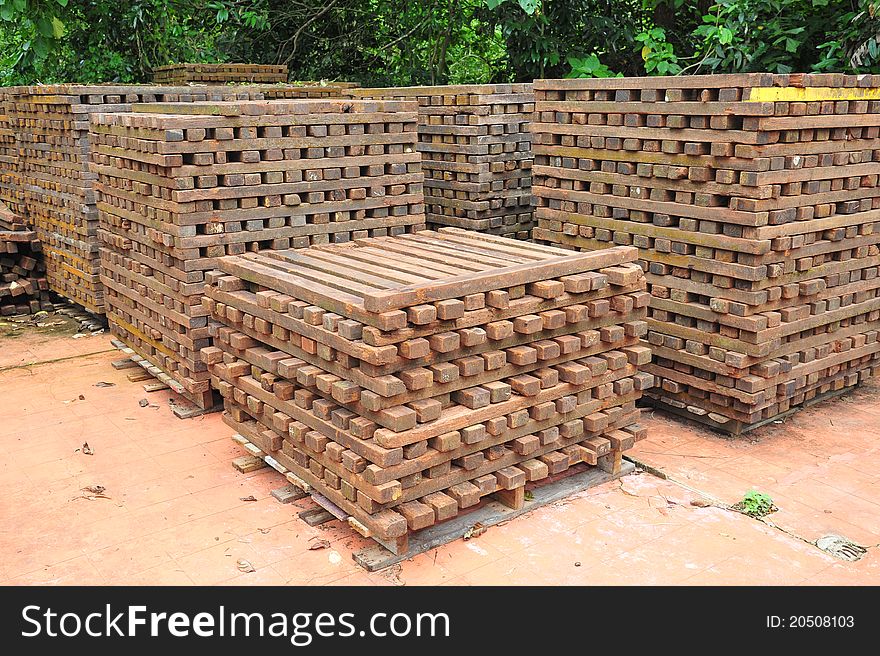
(316, 516)
(288, 494)
(247, 464)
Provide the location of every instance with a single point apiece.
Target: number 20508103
(811, 622)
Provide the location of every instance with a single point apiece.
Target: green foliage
(400, 42)
(476, 58)
(755, 504)
(658, 54)
(103, 40)
(528, 6)
(764, 35)
(543, 43)
(854, 46)
(589, 66)
(443, 41)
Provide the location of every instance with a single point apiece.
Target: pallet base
(186, 409)
(734, 428)
(488, 514)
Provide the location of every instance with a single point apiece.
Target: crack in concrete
(28, 365)
(715, 502)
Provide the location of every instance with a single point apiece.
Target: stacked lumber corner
(476, 154)
(309, 90)
(23, 286)
(11, 191)
(754, 202)
(405, 378)
(186, 73)
(181, 185)
(51, 124)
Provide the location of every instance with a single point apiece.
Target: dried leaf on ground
(320, 544)
(94, 492)
(87, 450)
(249, 498)
(245, 566)
(474, 531)
(104, 383)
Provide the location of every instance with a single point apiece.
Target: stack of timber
(754, 202)
(309, 90)
(11, 191)
(23, 286)
(52, 127)
(182, 185)
(402, 379)
(220, 73)
(476, 154)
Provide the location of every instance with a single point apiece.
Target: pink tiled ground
(176, 514)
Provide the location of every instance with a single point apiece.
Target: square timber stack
(476, 154)
(405, 378)
(220, 73)
(754, 202)
(11, 190)
(51, 124)
(23, 285)
(182, 185)
(309, 90)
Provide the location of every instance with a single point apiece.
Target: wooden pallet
(755, 205)
(490, 512)
(403, 379)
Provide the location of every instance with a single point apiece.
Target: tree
(402, 42)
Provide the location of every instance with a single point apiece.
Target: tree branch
(295, 37)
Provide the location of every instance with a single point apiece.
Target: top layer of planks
(220, 73)
(742, 80)
(479, 262)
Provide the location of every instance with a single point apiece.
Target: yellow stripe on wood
(137, 333)
(811, 94)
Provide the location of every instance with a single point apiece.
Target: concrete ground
(157, 501)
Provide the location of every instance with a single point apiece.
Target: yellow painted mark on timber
(137, 333)
(811, 94)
